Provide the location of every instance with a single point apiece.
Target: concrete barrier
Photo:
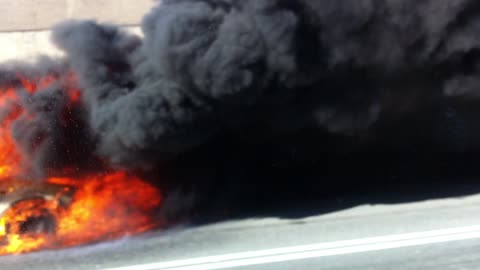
(24, 24)
(21, 15)
(27, 46)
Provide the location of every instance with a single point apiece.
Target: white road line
(314, 250)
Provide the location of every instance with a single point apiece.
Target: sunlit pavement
(435, 234)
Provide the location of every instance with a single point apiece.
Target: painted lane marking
(314, 250)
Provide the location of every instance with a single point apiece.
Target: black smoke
(267, 67)
(246, 77)
(50, 131)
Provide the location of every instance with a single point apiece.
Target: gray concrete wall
(27, 46)
(17, 15)
(24, 24)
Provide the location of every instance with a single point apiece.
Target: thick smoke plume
(265, 67)
(49, 127)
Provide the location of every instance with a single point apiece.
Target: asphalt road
(435, 234)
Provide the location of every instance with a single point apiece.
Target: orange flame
(103, 207)
(100, 206)
(10, 159)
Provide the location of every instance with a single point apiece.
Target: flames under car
(33, 205)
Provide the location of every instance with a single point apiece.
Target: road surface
(433, 234)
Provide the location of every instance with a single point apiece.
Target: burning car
(62, 207)
(63, 212)
(29, 208)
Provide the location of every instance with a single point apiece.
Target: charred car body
(28, 208)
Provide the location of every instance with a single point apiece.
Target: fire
(103, 207)
(81, 209)
(9, 157)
